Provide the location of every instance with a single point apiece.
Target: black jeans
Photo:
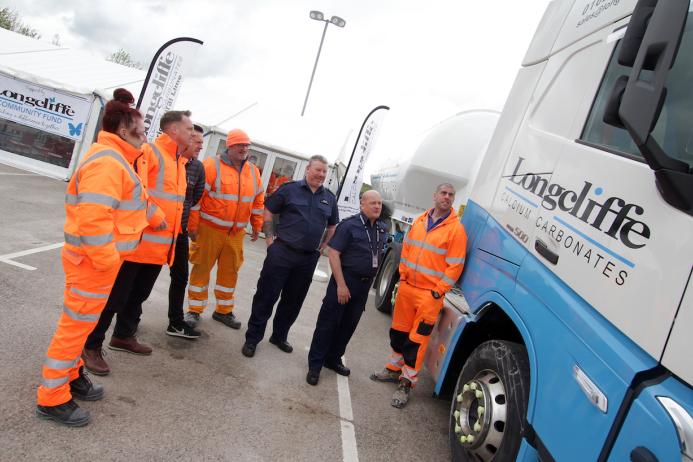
(337, 323)
(285, 272)
(132, 287)
(179, 280)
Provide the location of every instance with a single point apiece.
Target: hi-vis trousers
(214, 246)
(415, 313)
(86, 293)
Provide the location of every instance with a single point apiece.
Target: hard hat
(237, 136)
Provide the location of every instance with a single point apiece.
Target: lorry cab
(568, 336)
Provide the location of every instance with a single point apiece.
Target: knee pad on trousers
(398, 339)
(410, 352)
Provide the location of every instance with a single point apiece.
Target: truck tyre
(385, 283)
(490, 403)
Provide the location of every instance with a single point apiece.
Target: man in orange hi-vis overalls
(106, 209)
(233, 197)
(431, 262)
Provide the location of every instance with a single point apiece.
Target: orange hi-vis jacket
(163, 173)
(433, 259)
(106, 205)
(231, 198)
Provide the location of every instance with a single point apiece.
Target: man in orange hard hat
(232, 199)
(431, 263)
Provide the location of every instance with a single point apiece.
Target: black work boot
(82, 388)
(68, 414)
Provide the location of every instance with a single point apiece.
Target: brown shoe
(129, 345)
(94, 362)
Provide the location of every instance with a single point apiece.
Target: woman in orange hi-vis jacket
(106, 209)
(233, 197)
(431, 263)
(163, 170)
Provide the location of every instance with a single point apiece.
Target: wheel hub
(480, 414)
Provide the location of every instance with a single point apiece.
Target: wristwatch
(435, 294)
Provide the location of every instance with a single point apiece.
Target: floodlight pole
(319, 17)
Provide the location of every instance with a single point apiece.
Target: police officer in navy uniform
(354, 253)
(308, 216)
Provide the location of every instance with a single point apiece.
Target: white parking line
(8, 257)
(350, 451)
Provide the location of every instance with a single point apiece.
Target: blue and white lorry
(569, 335)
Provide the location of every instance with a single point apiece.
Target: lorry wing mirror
(636, 102)
(635, 33)
(611, 116)
(641, 102)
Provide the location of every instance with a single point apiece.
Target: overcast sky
(425, 62)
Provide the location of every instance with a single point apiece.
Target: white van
(569, 335)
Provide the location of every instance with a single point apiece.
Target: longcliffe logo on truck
(48, 104)
(581, 207)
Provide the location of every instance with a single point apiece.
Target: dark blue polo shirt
(303, 215)
(356, 251)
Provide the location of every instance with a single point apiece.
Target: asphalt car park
(193, 400)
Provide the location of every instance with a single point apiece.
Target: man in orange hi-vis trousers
(431, 263)
(163, 170)
(106, 209)
(233, 197)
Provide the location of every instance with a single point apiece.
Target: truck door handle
(544, 251)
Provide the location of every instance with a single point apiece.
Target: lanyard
(368, 235)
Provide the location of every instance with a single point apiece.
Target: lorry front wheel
(490, 403)
(385, 284)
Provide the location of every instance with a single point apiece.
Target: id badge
(375, 261)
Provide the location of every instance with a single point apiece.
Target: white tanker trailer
(451, 152)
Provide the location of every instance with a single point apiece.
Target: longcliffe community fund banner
(349, 190)
(43, 108)
(163, 82)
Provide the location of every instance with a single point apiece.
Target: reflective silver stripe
(192, 288)
(454, 261)
(162, 167)
(84, 293)
(166, 195)
(157, 239)
(448, 281)
(225, 302)
(132, 205)
(77, 241)
(136, 191)
(54, 383)
(254, 174)
(92, 198)
(61, 363)
(217, 179)
(158, 191)
(228, 290)
(423, 269)
(425, 245)
(257, 211)
(101, 239)
(79, 316)
(208, 187)
(241, 224)
(216, 220)
(72, 240)
(197, 302)
(226, 197)
(195, 207)
(247, 198)
(127, 245)
(151, 210)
